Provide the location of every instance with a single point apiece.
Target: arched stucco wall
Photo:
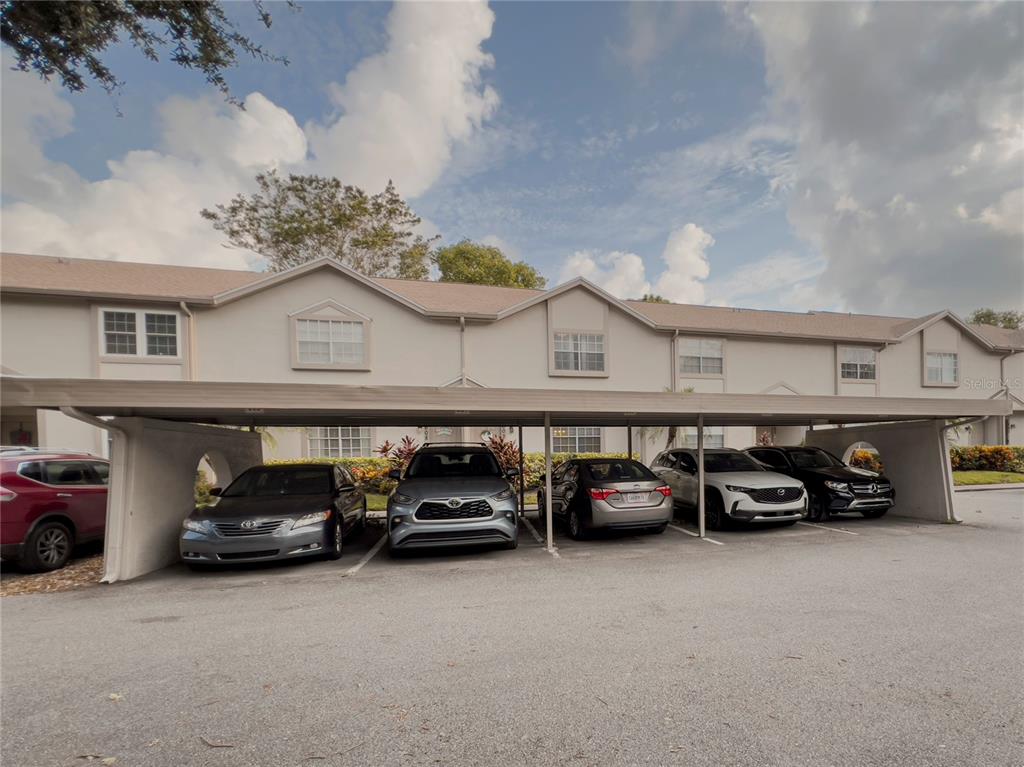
(916, 459)
(152, 484)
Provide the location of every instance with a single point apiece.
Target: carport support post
(629, 440)
(700, 476)
(522, 473)
(547, 482)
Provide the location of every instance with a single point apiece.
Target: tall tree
(654, 298)
(480, 264)
(300, 218)
(67, 39)
(1008, 319)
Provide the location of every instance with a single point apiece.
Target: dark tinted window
(717, 462)
(32, 470)
(618, 471)
(686, 461)
(101, 471)
(453, 463)
(771, 457)
(67, 473)
(813, 458)
(264, 482)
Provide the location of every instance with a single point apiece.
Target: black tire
(575, 524)
(542, 515)
(394, 553)
(513, 544)
(361, 524)
(714, 512)
(874, 513)
(334, 544)
(816, 511)
(48, 547)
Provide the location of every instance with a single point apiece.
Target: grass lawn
(986, 477)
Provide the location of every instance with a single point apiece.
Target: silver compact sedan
(610, 493)
(275, 512)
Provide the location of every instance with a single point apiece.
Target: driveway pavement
(860, 642)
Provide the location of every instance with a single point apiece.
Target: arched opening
(864, 455)
(212, 471)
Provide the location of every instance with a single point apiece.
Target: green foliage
(653, 298)
(1006, 458)
(67, 39)
(867, 459)
(202, 490)
(480, 264)
(987, 478)
(301, 218)
(1009, 319)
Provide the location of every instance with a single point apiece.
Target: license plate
(636, 497)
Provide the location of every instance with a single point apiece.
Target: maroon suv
(49, 502)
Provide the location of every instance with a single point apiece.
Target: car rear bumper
(212, 549)
(11, 551)
(605, 515)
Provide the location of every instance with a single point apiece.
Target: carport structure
(160, 429)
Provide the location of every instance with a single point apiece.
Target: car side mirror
(216, 491)
(395, 474)
(513, 472)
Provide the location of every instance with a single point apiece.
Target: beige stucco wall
(47, 338)
(902, 365)
(755, 366)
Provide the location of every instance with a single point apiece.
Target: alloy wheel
(52, 546)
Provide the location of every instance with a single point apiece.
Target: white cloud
(650, 29)
(906, 123)
(777, 281)
(624, 274)
(402, 110)
(401, 113)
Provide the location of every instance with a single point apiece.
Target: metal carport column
(547, 483)
(700, 476)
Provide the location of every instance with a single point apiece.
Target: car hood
(452, 487)
(276, 506)
(842, 473)
(755, 479)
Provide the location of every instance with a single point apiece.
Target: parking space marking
(533, 530)
(696, 535)
(367, 556)
(830, 529)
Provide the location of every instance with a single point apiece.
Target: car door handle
(64, 495)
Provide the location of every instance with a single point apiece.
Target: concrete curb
(1006, 486)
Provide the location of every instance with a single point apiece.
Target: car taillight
(7, 495)
(665, 490)
(602, 493)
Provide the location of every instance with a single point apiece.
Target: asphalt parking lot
(860, 642)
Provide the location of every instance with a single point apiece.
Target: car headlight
(196, 525)
(739, 489)
(404, 500)
(311, 519)
(504, 495)
(840, 487)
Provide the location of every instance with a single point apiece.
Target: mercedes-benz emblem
(781, 491)
(874, 488)
(249, 524)
(454, 503)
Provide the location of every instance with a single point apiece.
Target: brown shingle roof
(75, 276)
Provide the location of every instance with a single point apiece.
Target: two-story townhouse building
(323, 323)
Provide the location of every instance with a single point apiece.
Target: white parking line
(366, 557)
(696, 535)
(830, 529)
(537, 537)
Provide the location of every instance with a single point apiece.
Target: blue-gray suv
(452, 495)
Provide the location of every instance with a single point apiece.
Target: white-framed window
(139, 333)
(330, 342)
(339, 442)
(714, 436)
(857, 363)
(576, 439)
(579, 352)
(700, 356)
(941, 368)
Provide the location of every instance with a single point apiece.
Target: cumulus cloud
(624, 274)
(402, 110)
(400, 113)
(906, 174)
(778, 281)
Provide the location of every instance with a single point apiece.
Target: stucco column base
(916, 458)
(152, 481)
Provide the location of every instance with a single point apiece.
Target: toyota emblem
(781, 491)
(249, 524)
(454, 503)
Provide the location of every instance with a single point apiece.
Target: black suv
(834, 487)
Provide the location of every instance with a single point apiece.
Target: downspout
(1005, 384)
(193, 361)
(117, 516)
(674, 355)
(462, 351)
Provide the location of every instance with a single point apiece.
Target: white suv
(736, 487)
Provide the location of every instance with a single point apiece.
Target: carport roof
(291, 404)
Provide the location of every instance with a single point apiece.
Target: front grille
(777, 494)
(250, 554)
(864, 488)
(432, 510)
(235, 529)
(442, 536)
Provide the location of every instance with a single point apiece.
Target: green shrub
(987, 458)
(867, 459)
(202, 490)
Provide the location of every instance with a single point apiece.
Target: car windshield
(618, 471)
(716, 462)
(812, 458)
(453, 463)
(266, 482)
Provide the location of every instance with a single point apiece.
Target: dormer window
(329, 336)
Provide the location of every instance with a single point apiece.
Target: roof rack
(27, 449)
(454, 444)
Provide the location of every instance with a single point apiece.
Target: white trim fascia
(946, 314)
(329, 302)
(782, 384)
(578, 282)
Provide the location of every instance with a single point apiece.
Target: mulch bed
(78, 574)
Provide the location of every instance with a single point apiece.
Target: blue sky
(689, 149)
